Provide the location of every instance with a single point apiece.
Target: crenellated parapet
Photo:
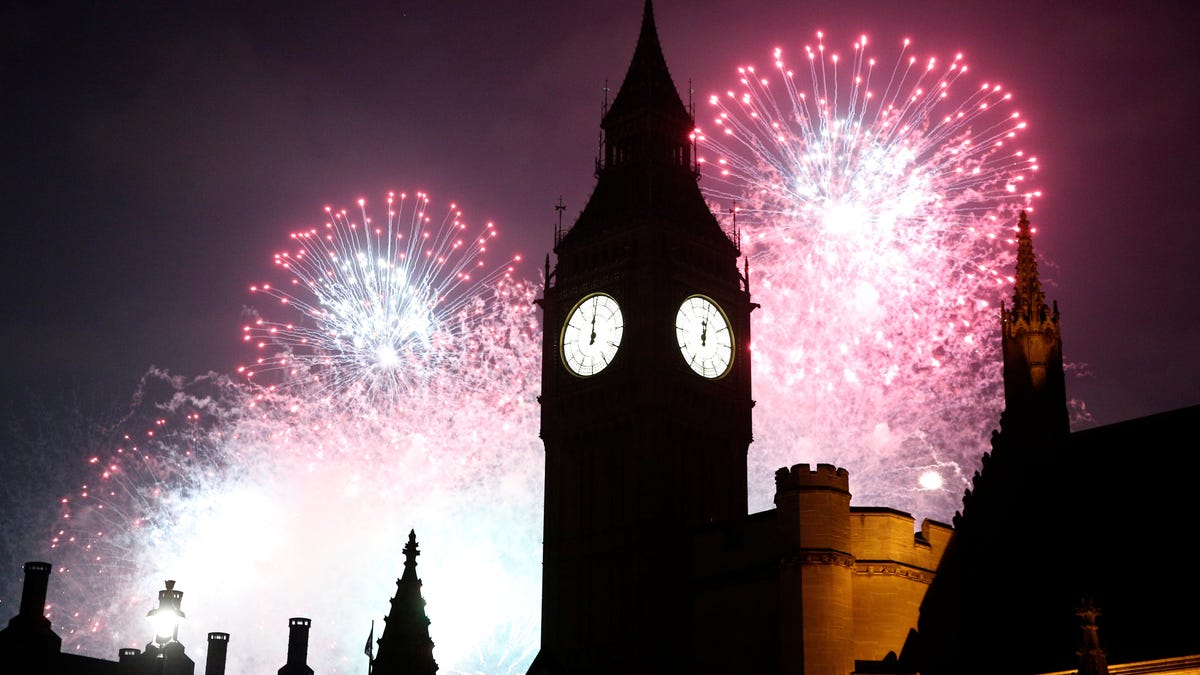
(883, 538)
(893, 567)
(800, 477)
(813, 508)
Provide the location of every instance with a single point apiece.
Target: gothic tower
(1019, 483)
(1035, 396)
(645, 389)
(405, 646)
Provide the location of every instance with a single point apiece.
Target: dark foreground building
(29, 645)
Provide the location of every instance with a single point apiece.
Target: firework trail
(876, 204)
(376, 308)
(290, 492)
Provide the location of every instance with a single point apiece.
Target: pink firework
(371, 309)
(877, 206)
(296, 489)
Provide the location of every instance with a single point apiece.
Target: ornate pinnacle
(1028, 296)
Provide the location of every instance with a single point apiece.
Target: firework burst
(376, 308)
(877, 206)
(296, 486)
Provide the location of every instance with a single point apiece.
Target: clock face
(705, 337)
(592, 334)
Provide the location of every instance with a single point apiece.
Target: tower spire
(647, 122)
(1028, 297)
(1034, 381)
(646, 166)
(405, 646)
(647, 84)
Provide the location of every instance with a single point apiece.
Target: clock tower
(645, 404)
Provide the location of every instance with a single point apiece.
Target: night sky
(154, 159)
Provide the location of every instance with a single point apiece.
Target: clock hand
(703, 332)
(592, 341)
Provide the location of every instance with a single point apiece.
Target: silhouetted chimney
(33, 596)
(297, 656)
(218, 646)
(28, 637)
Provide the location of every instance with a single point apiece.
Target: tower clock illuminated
(592, 334)
(705, 336)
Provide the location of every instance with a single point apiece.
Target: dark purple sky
(155, 159)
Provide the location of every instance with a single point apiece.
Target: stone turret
(817, 568)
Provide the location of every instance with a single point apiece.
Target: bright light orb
(931, 480)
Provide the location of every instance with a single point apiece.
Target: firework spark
(293, 497)
(376, 308)
(877, 205)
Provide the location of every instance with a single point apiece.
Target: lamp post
(166, 617)
(165, 620)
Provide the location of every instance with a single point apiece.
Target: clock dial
(705, 337)
(592, 334)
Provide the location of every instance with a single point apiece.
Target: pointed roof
(405, 646)
(648, 84)
(1028, 296)
(646, 170)
(410, 560)
(1035, 400)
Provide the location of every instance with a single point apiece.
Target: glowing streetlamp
(167, 616)
(165, 654)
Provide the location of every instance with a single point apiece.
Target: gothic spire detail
(405, 646)
(1029, 301)
(1031, 340)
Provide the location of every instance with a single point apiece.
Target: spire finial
(410, 551)
(405, 646)
(1027, 293)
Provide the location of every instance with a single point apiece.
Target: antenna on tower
(694, 135)
(600, 140)
(736, 235)
(558, 228)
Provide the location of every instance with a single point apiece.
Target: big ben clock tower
(645, 390)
